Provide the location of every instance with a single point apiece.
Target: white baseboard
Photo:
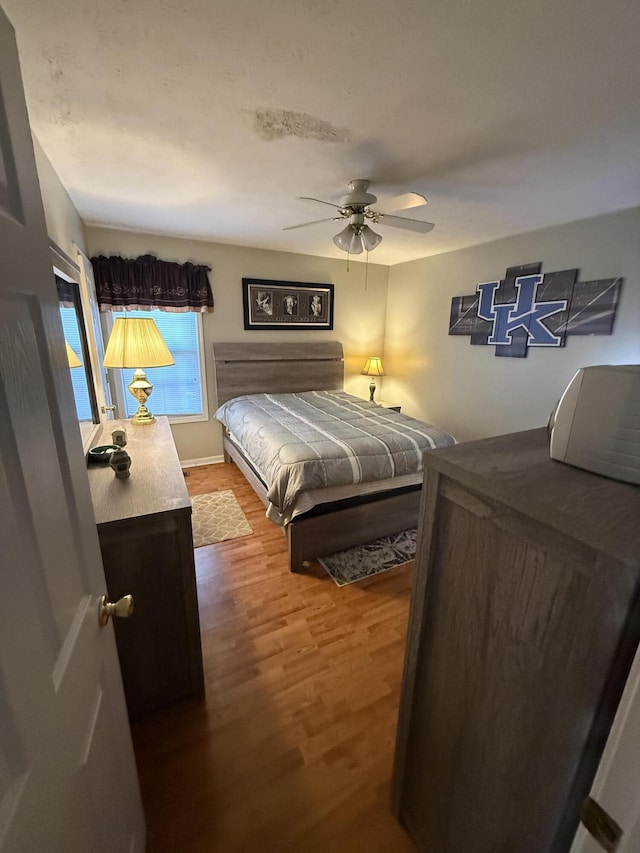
(206, 460)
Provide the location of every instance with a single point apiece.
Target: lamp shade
(136, 342)
(72, 358)
(369, 238)
(356, 238)
(349, 240)
(373, 367)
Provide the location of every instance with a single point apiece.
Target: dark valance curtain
(66, 292)
(145, 283)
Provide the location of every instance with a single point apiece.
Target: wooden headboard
(262, 368)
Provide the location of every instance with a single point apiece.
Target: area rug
(363, 561)
(217, 517)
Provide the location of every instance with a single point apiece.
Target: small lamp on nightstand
(136, 342)
(373, 368)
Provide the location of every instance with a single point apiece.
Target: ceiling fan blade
(315, 222)
(400, 202)
(417, 225)
(319, 200)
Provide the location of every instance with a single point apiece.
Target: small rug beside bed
(364, 561)
(217, 517)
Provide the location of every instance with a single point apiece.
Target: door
(616, 787)
(68, 781)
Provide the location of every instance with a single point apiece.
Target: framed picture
(286, 304)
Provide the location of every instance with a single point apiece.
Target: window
(178, 390)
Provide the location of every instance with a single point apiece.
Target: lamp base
(141, 389)
(143, 416)
(372, 391)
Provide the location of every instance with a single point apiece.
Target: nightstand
(393, 406)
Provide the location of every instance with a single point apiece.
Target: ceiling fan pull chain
(366, 272)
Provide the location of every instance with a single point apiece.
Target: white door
(68, 781)
(616, 787)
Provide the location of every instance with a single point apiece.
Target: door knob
(600, 825)
(122, 608)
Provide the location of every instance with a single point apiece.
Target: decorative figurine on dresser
(525, 618)
(120, 463)
(144, 527)
(119, 437)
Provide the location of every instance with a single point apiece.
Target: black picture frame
(294, 305)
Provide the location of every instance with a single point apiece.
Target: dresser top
(516, 470)
(156, 484)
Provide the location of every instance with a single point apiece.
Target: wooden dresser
(524, 621)
(144, 526)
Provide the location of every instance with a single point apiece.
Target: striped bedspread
(321, 439)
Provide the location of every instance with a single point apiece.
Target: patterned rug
(216, 517)
(363, 561)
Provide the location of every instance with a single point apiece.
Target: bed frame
(268, 368)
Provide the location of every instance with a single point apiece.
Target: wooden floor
(293, 748)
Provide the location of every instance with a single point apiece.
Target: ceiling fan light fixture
(357, 206)
(369, 238)
(349, 240)
(356, 239)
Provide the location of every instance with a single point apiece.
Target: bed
(332, 469)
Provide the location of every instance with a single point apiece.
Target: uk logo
(531, 309)
(525, 313)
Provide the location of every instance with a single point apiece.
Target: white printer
(596, 424)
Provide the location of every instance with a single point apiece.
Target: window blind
(177, 389)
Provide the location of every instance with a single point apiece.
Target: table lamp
(136, 342)
(72, 358)
(373, 368)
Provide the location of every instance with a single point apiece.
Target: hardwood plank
(315, 350)
(318, 535)
(292, 748)
(276, 368)
(521, 637)
(144, 526)
(234, 379)
(415, 631)
(154, 459)
(541, 488)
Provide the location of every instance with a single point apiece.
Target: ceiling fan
(358, 206)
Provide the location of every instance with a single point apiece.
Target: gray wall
(467, 390)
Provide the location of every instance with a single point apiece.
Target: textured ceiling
(208, 119)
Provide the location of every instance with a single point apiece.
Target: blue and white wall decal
(531, 309)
